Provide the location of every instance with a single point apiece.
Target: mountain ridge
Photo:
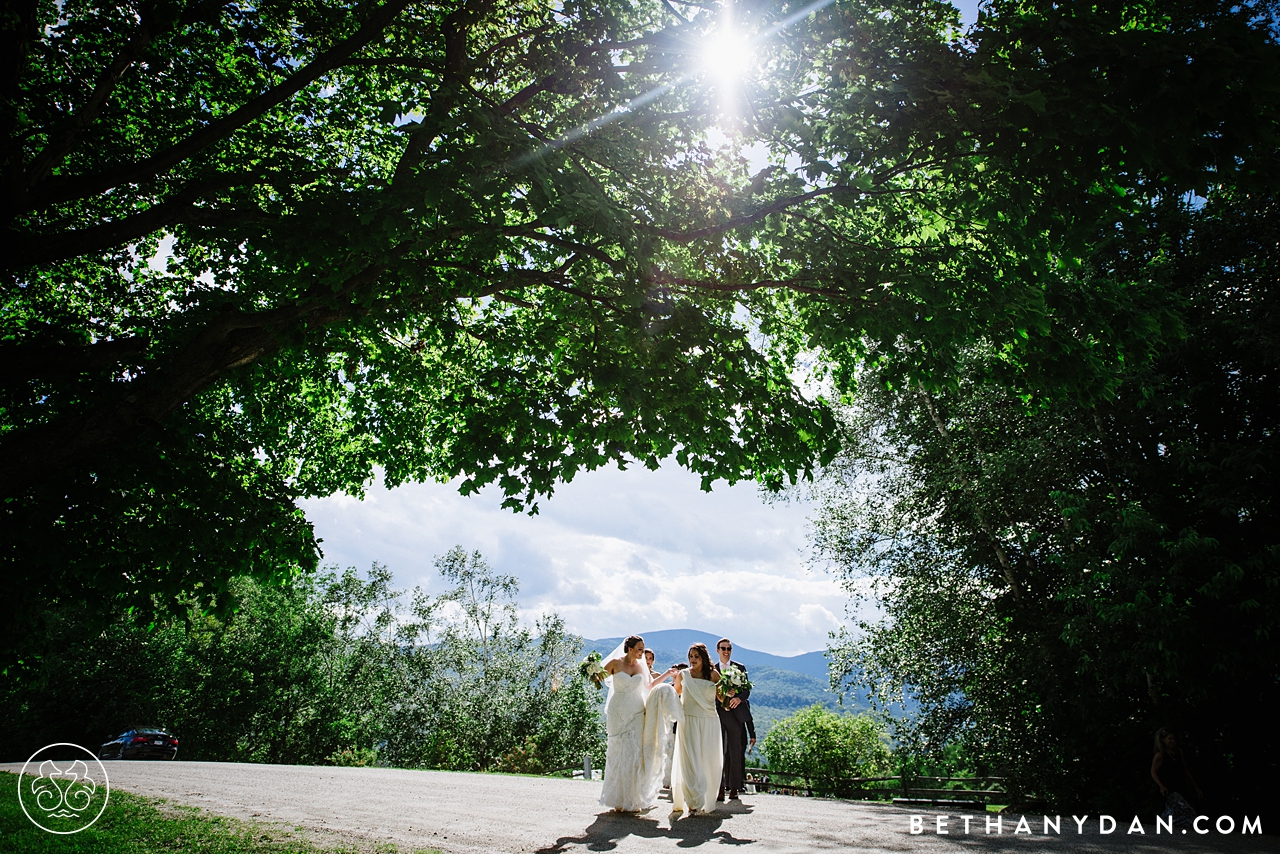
(672, 645)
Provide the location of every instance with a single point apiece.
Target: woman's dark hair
(701, 649)
(630, 643)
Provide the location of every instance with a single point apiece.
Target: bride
(629, 782)
(695, 771)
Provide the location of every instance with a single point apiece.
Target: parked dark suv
(143, 742)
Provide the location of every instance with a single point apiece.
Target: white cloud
(613, 552)
(812, 614)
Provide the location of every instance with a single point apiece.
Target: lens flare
(727, 55)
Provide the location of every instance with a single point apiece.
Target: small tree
(826, 747)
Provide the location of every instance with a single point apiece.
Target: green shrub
(826, 747)
(523, 759)
(353, 757)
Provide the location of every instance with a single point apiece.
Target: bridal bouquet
(733, 681)
(593, 669)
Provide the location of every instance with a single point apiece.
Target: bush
(826, 747)
(358, 757)
(523, 759)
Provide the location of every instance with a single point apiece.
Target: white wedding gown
(699, 757)
(625, 782)
(638, 725)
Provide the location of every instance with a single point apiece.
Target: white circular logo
(60, 792)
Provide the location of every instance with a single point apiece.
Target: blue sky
(968, 11)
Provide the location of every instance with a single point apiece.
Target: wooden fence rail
(899, 789)
(968, 791)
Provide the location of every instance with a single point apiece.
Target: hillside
(777, 693)
(672, 645)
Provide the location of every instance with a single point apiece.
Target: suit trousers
(733, 737)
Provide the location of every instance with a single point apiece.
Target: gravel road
(484, 813)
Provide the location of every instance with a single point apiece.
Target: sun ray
(734, 51)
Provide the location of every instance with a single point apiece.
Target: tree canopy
(262, 251)
(265, 251)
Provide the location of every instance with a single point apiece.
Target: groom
(733, 715)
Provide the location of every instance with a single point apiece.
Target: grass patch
(133, 824)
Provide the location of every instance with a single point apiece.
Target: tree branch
(22, 362)
(30, 249)
(510, 41)
(590, 251)
(230, 340)
(82, 186)
(775, 207)
(526, 94)
(149, 29)
(735, 287)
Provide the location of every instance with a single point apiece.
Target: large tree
(1059, 578)
(261, 251)
(1062, 572)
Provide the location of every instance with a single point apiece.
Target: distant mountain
(672, 645)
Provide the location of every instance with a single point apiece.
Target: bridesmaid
(699, 758)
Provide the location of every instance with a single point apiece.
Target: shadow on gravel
(611, 827)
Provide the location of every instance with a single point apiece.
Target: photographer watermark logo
(61, 791)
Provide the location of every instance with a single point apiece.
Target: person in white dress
(699, 756)
(628, 780)
(667, 748)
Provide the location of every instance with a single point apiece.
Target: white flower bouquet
(593, 669)
(733, 681)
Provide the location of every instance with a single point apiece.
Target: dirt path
(483, 813)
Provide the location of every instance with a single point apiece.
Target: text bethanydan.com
(944, 825)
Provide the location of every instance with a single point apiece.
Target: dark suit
(733, 736)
